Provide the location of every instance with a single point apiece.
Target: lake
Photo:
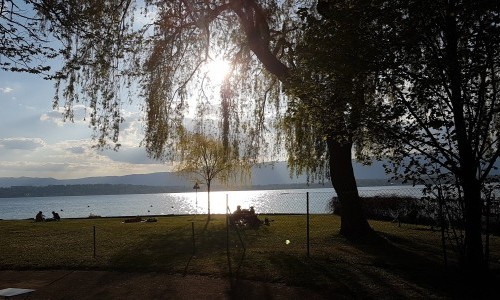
(264, 201)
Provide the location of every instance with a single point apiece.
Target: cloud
(22, 143)
(6, 90)
(76, 150)
(130, 155)
(57, 116)
(71, 159)
(53, 117)
(131, 130)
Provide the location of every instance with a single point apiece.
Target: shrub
(391, 208)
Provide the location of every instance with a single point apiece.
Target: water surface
(264, 201)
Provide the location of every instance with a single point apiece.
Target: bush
(391, 208)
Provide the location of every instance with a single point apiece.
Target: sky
(36, 142)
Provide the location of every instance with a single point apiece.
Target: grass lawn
(405, 261)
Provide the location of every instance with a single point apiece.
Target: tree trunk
(353, 221)
(474, 263)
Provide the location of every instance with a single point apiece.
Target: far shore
(127, 189)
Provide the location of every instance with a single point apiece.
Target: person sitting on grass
(56, 216)
(39, 217)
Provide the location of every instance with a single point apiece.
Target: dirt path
(63, 284)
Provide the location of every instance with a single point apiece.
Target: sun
(217, 70)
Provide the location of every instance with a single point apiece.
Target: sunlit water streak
(264, 201)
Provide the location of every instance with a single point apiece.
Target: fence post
(194, 240)
(487, 241)
(94, 241)
(227, 238)
(442, 223)
(307, 224)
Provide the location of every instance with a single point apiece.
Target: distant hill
(277, 174)
(153, 179)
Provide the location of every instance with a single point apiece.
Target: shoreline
(130, 189)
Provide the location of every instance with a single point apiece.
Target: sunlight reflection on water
(264, 201)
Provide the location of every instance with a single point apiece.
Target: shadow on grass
(168, 251)
(368, 268)
(420, 265)
(175, 251)
(311, 273)
(382, 265)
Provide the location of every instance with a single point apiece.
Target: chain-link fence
(295, 222)
(287, 221)
(301, 221)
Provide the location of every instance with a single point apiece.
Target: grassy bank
(405, 260)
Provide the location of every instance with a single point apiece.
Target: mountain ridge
(276, 174)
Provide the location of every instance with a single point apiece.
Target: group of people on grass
(247, 218)
(41, 218)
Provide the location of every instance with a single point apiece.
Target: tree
(206, 159)
(334, 95)
(24, 46)
(441, 107)
(168, 59)
(440, 70)
(270, 46)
